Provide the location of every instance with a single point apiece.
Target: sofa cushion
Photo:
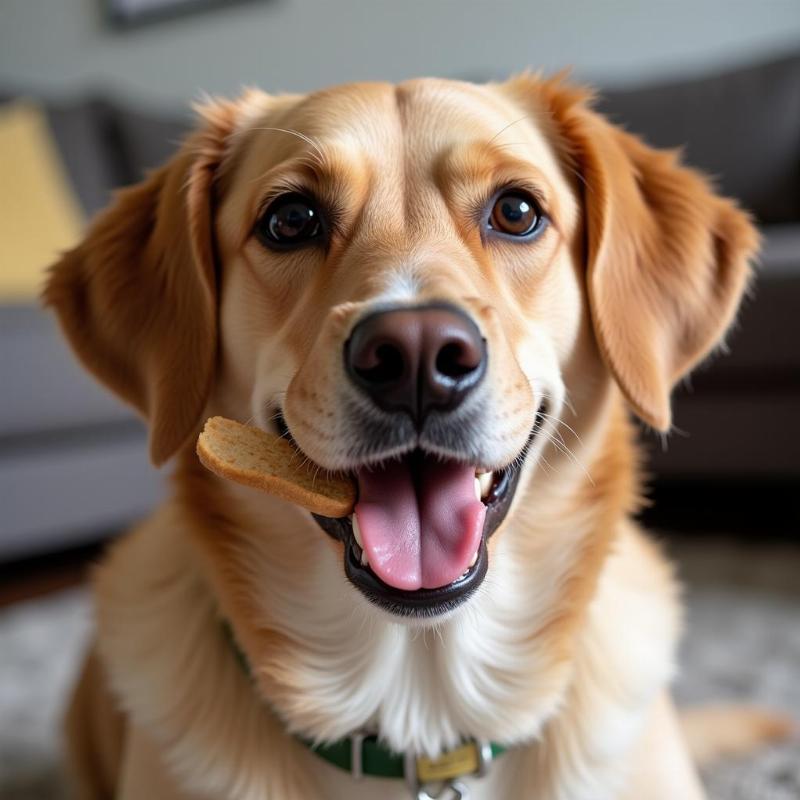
(44, 387)
(742, 127)
(39, 213)
(87, 142)
(65, 491)
(724, 435)
(780, 251)
(146, 140)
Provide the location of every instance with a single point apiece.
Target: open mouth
(416, 543)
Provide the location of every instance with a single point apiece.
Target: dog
(458, 294)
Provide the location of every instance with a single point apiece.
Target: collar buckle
(472, 758)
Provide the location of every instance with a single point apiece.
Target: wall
(64, 46)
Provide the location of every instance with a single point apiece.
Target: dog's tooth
(356, 530)
(474, 560)
(477, 488)
(485, 484)
(364, 559)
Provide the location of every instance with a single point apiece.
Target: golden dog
(456, 293)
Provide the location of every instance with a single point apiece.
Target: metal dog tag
(452, 790)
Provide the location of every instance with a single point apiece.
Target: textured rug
(742, 643)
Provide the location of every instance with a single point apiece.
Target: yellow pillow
(39, 214)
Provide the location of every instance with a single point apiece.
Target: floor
(743, 643)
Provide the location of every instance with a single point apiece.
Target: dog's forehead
(389, 126)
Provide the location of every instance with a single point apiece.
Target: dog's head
(418, 284)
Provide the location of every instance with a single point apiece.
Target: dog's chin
(425, 595)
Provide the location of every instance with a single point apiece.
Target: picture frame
(125, 14)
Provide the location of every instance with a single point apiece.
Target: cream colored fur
(566, 651)
(420, 687)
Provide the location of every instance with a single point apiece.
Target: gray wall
(64, 46)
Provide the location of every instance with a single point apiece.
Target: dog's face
(401, 291)
(411, 282)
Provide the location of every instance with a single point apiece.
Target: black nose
(416, 359)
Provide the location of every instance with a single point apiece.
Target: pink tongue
(420, 526)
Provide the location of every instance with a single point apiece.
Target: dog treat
(254, 458)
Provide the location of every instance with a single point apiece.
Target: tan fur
(121, 292)
(95, 730)
(725, 731)
(566, 650)
(667, 259)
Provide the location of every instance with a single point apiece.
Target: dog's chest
(423, 691)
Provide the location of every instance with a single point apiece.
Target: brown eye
(515, 213)
(290, 220)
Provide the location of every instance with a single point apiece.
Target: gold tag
(461, 761)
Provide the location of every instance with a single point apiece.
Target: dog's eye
(515, 213)
(290, 220)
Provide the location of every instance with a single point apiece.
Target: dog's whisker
(568, 402)
(565, 450)
(558, 421)
(545, 463)
(505, 128)
(302, 136)
(577, 174)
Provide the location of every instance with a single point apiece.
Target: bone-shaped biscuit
(263, 461)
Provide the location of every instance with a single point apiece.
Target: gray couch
(73, 459)
(73, 462)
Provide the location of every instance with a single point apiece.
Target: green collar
(364, 754)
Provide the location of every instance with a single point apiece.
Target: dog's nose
(416, 359)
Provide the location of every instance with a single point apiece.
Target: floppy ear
(137, 298)
(667, 259)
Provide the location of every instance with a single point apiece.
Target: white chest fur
(479, 673)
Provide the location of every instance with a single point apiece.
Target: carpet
(742, 643)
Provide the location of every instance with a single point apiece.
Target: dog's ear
(137, 298)
(667, 258)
